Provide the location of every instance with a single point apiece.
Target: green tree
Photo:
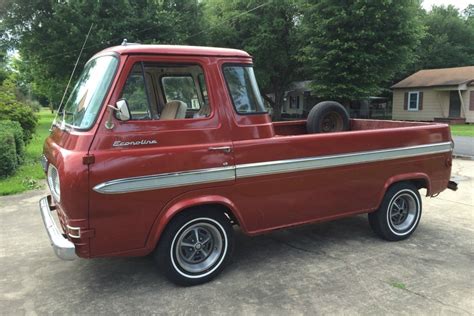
(4, 72)
(265, 29)
(449, 40)
(469, 12)
(49, 34)
(353, 48)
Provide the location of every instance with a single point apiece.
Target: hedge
(8, 155)
(17, 131)
(21, 113)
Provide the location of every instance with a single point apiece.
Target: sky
(460, 4)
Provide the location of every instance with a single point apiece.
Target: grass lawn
(462, 130)
(28, 175)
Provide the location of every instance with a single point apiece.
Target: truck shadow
(316, 241)
(262, 264)
(250, 254)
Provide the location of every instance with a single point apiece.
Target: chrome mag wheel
(199, 247)
(399, 213)
(195, 246)
(403, 212)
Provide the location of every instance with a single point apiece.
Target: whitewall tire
(195, 246)
(399, 214)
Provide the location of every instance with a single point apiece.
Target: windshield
(80, 110)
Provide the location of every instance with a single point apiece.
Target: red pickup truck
(164, 149)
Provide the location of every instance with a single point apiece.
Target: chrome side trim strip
(170, 180)
(294, 165)
(166, 180)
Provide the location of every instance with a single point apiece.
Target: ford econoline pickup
(163, 149)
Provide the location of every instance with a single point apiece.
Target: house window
(295, 102)
(413, 101)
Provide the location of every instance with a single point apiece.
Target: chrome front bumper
(63, 248)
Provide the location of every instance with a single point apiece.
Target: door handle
(226, 149)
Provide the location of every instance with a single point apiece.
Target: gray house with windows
(299, 99)
(445, 95)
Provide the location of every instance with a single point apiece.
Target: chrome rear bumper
(62, 247)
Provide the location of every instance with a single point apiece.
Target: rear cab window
(180, 88)
(243, 89)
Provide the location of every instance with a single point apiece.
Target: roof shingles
(437, 78)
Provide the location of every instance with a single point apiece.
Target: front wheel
(399, 213)
(195, 247)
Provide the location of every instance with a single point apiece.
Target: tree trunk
(277, 106)
(268, 99)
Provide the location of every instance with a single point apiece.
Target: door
(454, 104)
(173, 143)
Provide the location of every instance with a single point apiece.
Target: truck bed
(288, 128)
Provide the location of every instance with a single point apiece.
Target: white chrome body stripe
(166, 180)
(169, 180)
(301, 164)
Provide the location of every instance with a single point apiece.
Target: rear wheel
(195, 247)
(399, 213)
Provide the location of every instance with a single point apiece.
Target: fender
(175, 207)
(404, 177)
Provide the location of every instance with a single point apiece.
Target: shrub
(17, 131)
(34, 105)
(12, 110)
(8, 157)
(21, 113)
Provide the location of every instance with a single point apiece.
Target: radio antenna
(72, 73)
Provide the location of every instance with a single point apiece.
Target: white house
(436, 95)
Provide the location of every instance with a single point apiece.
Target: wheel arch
(216, 202)
(420, 180)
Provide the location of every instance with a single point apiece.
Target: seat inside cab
(156, 91)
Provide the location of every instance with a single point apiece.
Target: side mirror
(121, 111)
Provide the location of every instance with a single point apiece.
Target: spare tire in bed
(327, 117)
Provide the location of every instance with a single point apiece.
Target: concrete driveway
(331, 268)
(464, 146)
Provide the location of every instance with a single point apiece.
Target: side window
(243, 89)
(181, 88)
(202, 86)
(162, 91)
(135, 93)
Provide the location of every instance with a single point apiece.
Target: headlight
(53, 182)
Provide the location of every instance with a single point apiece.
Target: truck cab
(163, 148)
